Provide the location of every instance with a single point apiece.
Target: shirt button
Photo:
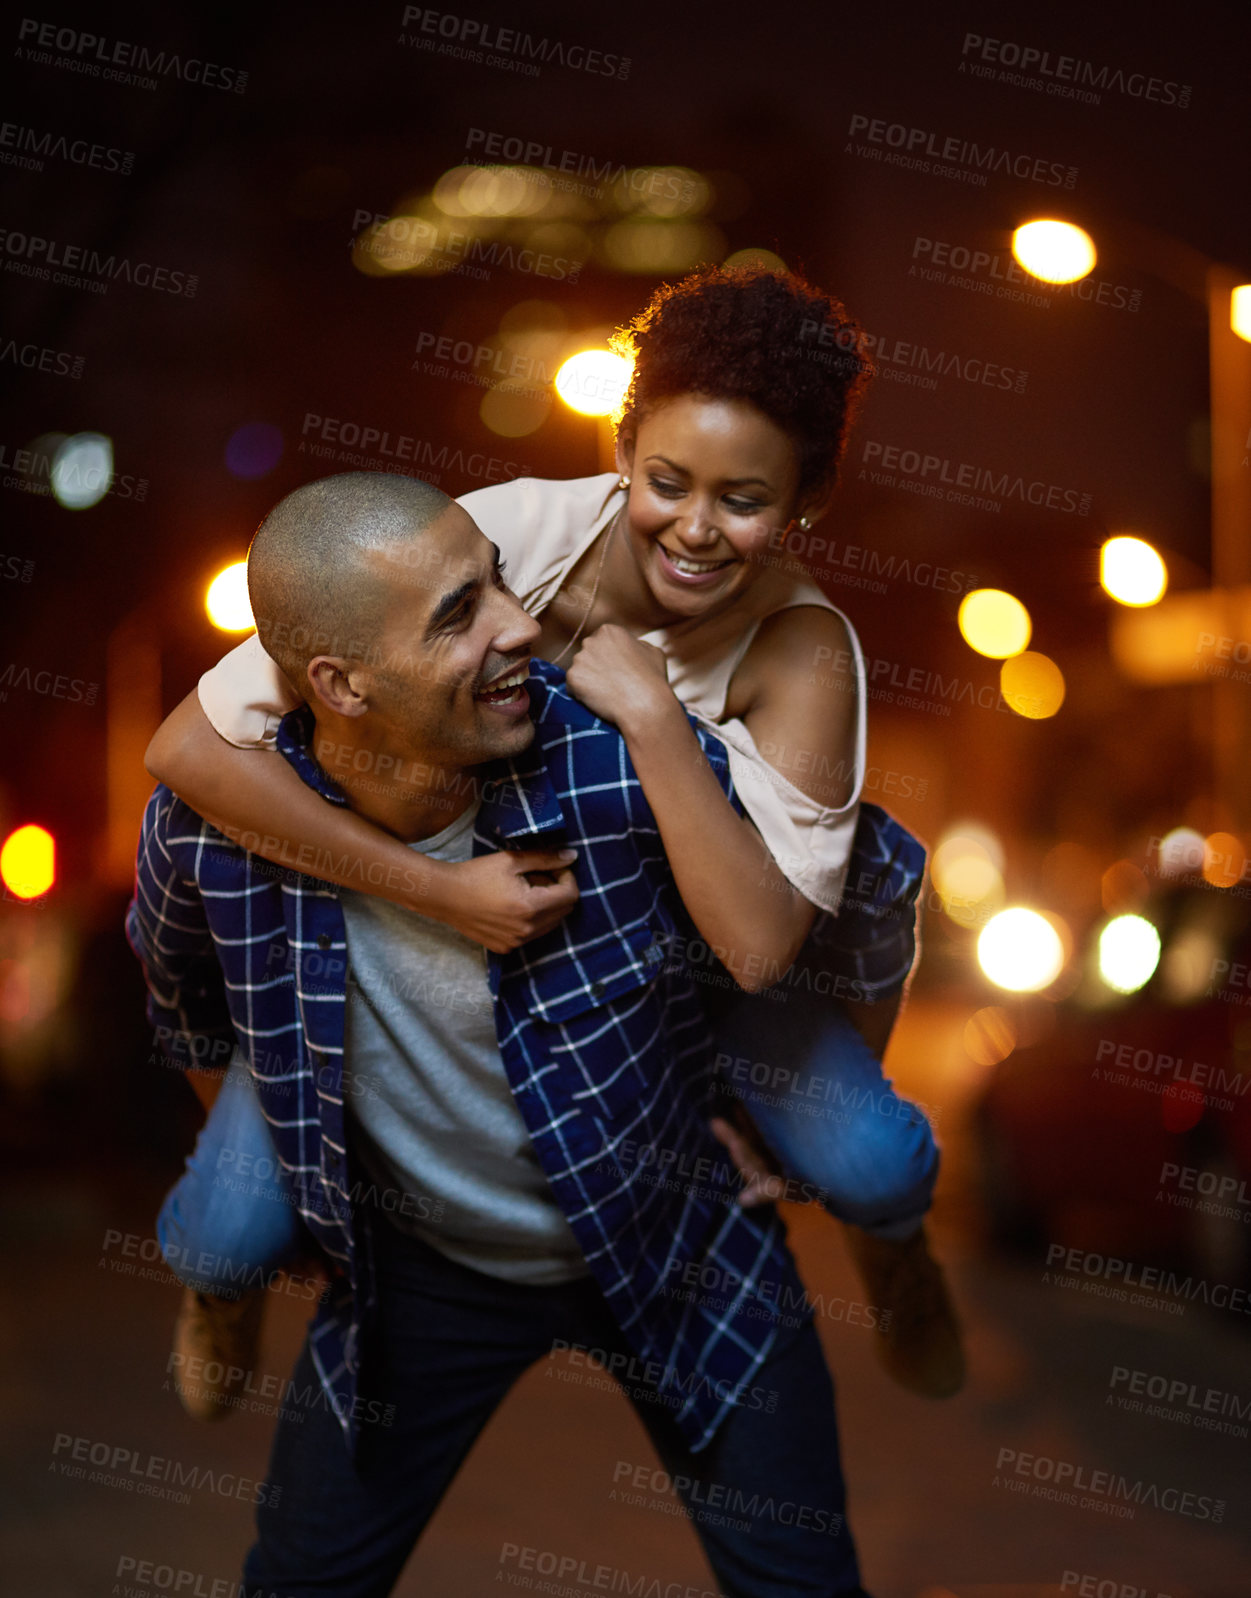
(324, 941)
(597, 989)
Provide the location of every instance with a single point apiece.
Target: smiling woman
(656, 585)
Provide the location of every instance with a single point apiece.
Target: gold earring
(623, 482)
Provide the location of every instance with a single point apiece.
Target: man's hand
(620, 678)
(763, 1182)
(505, 899)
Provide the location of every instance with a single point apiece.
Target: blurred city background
(367, 240)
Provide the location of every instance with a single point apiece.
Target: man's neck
(410, 798)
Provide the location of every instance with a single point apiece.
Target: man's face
(447, 685)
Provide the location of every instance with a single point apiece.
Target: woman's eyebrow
(729, 482)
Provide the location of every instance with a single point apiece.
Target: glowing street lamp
(593, 381)
(28, 862)
(1131, 572)
(1055, 252)
(226, 600)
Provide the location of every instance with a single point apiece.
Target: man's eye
(500, 569)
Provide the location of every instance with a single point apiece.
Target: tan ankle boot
(918, 1334)
(216, 1341)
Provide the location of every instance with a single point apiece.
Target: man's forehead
(448, 551)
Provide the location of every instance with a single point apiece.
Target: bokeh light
(1224, 859)
(990, 1035)
(1020, 950)
(967, 872)
(655, 245)
(1240, 311)
(226, 600)
(253, 450)
(768, 260)
(1129, 951)
(1055, 252)
(994, 623)
(1032, 685)
(593, 381)
(28, 862)
(82, 470)
(1132, 572)
(1181, 853)
(511, 410)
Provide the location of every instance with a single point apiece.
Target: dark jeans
(445, 1348)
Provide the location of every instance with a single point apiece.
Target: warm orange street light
(1055, 252)
(28, 862)
(226, 600)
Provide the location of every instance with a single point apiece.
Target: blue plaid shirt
(603, 1038)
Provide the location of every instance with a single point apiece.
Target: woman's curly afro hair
(754, 334)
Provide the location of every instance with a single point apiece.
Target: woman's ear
(815, 503)
(625, 452)
(330, 684)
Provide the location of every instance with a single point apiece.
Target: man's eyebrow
(450, 603)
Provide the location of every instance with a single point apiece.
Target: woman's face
(711, 481)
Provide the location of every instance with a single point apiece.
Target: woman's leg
(817, 1095)
(231, 1218)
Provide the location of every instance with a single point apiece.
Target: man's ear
(330, 683)
(625, 452)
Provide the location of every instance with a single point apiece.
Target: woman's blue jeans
(809, 1081)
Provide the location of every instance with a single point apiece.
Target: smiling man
(534, 1103)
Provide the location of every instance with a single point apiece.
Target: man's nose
(516, 629)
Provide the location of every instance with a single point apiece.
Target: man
(541, 1100)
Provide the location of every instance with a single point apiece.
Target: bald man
(527, 1103)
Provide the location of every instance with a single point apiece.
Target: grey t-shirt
(432, 1113)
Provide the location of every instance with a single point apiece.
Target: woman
(662, 592)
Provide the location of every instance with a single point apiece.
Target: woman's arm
(256, 799)
(729, 882)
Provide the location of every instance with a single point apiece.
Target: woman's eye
(669, 490)
(744, 507)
